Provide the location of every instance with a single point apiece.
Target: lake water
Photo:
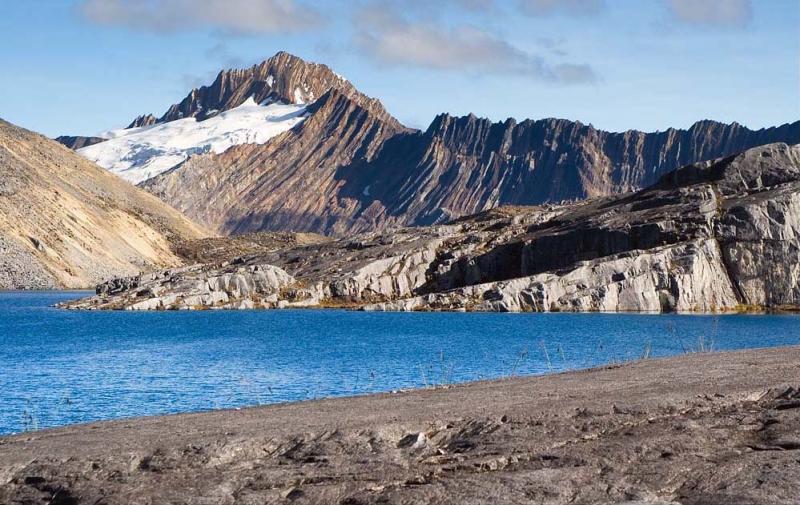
(59, 367)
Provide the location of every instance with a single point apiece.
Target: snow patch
(298, 96)
(137, 154)
(270, 80)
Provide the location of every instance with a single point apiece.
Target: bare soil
(721, 428)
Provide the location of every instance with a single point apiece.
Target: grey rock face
(682, 278)
(714, 236)
(225, 287)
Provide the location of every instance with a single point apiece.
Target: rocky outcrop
(687, 277)
(712, 236)
(76, 143)
(143, 120)
(227, 287)
(67, 223)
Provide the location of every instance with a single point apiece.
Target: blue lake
(59, 367)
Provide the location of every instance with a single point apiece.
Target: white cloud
(712, 12)
(237, 16)
(389, 39)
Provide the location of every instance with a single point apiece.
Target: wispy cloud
(726, 13)
(568, 7)
(222, 53)
(234, 16)
(475, 5)
(388, 38)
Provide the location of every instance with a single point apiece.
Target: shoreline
(437, 387)
(645, 430)
(72, 305)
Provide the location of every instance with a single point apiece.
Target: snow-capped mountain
(241, 106)
(137, 154)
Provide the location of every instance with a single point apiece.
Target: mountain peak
(283, 77)
(242, 106)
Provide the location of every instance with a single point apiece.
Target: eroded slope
(65, 222)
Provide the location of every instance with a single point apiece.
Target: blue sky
(82, 66)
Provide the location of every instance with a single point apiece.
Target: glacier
(138, 154)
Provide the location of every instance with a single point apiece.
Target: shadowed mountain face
(291, 181)
(65, 222)
(464, 165)
(351, 167)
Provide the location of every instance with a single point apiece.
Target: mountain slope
(65, 222)
(712, 236)
(345, 165)
(458, 166)
(464, 165)
(290, 182)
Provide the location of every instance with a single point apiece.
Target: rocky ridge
(67, 223)
(282, 78)
(143, 120)
(354, 171)
(711, 236)
(355, 168)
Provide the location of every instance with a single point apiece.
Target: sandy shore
(720, 428)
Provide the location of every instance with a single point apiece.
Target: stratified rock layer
(351, 168)
(712, 236)
(290, 182)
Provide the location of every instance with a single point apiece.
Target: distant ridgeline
(346, 165)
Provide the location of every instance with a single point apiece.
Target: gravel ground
(721, 428)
